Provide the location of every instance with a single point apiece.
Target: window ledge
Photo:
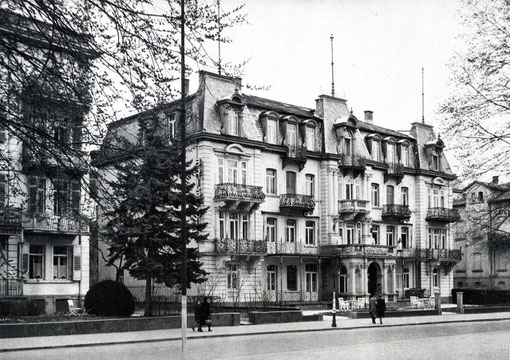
(476, 271)
(502, 270)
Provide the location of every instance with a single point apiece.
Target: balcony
(354, 163)
(241, 247)
(394, 171)
(296, 204)
(238, 197)
(350, 208)
(291, 248)
(499, 239)
(396, 212)
(358, 250)
(10, 221)
(53, 223)
(74, 161)
(295, 155)
(440, 214)
(439, 255)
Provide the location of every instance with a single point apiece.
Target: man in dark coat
(380, 306)
(205, 314)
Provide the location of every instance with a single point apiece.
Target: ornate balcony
(358, 250)
(241, 247)
(350, 208)
(499, 239)
(291, 248)
(10, 221)
(445, 215)
(238, 197)
(394, 171)
(439, 255)
(355, 163)
(53, 223)
(295, 155)
(296, 204)
(396, 212)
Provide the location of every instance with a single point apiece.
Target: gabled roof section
(500, 187)
(279, 107)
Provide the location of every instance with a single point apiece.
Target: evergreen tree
(144, 228)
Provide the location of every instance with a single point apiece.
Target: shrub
(19, 307)
(109, 298)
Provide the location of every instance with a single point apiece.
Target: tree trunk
(148, 296)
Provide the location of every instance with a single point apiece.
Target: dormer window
(390, 153)
(271, 131)
(347, 150)
(404, 155)
(231, 111)
(434, 149)
(310, 138)
(233, 122)
(291, 135)
(435, 162)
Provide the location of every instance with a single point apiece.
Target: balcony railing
(230, 191)
(441, 214)
(11, 287)
(396, 211)
(10, 218)
(240, 247)
(352, 206)
(291, 248)
(295, 154)
(53, 223)
(297, 202)
(438, 255)
(352, 161)
(358, 250)
(394, 171)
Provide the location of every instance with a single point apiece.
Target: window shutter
(77, 262)
(25, 250)
(3, 189)
(32, 194)
(76, 197)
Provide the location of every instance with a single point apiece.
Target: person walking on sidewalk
(373, 307)
(205, 314)
(380, 307)
(196, 310)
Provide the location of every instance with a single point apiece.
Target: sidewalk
(343, 324)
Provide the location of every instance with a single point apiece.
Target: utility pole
(184, 300)
(332, 69)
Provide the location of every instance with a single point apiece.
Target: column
(385, 279)
(329, 172)
(352, 267)
(334, 192)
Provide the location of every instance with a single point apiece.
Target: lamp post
(333, 324)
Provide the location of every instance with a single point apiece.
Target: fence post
(460, 302)
(437, 298)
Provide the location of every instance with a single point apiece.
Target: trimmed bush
(19, 307)
(109, 298)
(480, 296)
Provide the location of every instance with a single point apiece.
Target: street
(473, 340)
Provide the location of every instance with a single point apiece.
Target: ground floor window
(61, 263)
(311, 276)
(343, 280)
(36, 262)
(435, 278)
(406, 243)
(271, 277)
(292, 278)
(232, 276)
(405, 278)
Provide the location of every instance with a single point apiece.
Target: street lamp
(333, 324)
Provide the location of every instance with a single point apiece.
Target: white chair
(414, 302)
(73, 310)
(361, 303)
(343, 305)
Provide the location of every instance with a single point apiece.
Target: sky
(380, 47)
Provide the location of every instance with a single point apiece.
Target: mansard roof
(371, 128)
(280, 107)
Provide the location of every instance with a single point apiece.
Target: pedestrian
(373, 307)
(380, 307)
(205, 314)
(196, 311)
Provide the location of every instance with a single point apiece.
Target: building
(483, 235)
(306, 202)
(44, 238)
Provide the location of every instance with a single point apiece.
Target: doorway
(374, 278)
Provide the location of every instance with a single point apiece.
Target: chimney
(369, 116)
(495, 179)
(186, 87)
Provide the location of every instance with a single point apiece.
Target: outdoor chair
(343, 305)
(73, 310)
(415, 302)
(361, 303)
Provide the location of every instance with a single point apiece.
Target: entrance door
(374, 279)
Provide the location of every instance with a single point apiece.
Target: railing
(438, 254)
(358, 249)
(75, 160)
(241, 192)
(11, 287)
(350, 205)
(296, 152)
(395, 169)
(240, 247)
(396, 211)
(291, 248)
(442, 214)
(355, 161)
(43, 222)
(297, 201)
(10, 218)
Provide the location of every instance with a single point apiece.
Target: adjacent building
(306, 202)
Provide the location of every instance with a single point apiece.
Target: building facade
(44, 238)
(306, 202)
(483, 235)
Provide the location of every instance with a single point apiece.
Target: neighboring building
(483, 235)
(304, 202)
(44, 240)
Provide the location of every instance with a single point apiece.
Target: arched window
(343, 280)
(435, 278)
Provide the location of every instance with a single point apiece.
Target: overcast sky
(380, 47)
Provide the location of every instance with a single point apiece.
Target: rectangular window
(310, 233)
(405, 278)
(233, 119)
(435, 278)
(349, 233)
(245, 226)
(347, 146)
(436, 198)
(222, 225)
(291, 182)
(220, 171)
(271, 131)
(291, 135)
(311, 277)
(349, 191)
(232, 276)
(3, 190)
(375, 234)
(390, 153)
(290, 236)
(61, 264)
(244, 172)
(310, 185)
(358, 233)
(443, 239)
(435, 162)
(390, 194)
(232, 171)
(437, 238)
(271, 277)
(271, 181)
(37, 195)
(233, 226)
(406, 244)
(375, 150)
(310, 138)
(271, 229)
(36, 262)
(390, 235)
(430, 238)
(292, 278)
(405, 156)
(375, 194)
(405, 195)
(442, 199)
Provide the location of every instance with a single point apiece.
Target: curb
(178, 338)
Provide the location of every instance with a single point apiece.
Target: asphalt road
(478, 340)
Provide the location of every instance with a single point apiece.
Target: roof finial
(422, 96)
(332, 69)
(351, 110)
(219, 39)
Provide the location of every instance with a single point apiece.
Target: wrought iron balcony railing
(358, 250)
(53, 223)
(240, 247)
(291, 248)
(231, 191)
(10, 217)
(297, 202)
(439, 255)
(441, 214)
(396, 211)
(394, 171)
